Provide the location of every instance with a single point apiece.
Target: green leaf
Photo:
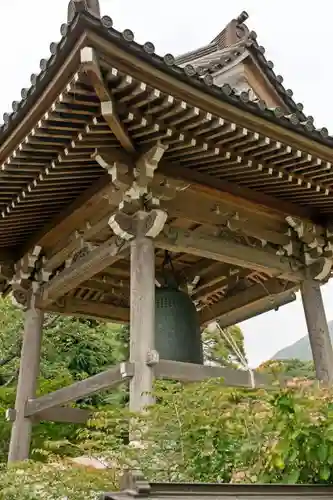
(325, 472)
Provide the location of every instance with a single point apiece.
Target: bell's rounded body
(177, 329)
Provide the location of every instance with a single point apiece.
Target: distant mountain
(301, 349)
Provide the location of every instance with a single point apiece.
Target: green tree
(224, 346)
(289, 368)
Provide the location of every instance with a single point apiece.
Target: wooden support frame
(50, 407)
(142, 324)
(254, 297)
(86, 267)
(190, 372)
(256, 308)
(71, 306)
(225, 250)
(27, 382)
(105, 380)
(58, 414)
(318, 331)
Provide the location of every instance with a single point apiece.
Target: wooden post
(27, 382)
(142, 318)
(318, 330)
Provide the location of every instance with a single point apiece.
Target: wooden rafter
(253, 297)
(90, 63)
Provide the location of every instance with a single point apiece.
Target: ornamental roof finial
(92, 6)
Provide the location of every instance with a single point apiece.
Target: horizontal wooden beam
(190, 372)
(65, 415)
(256, 308)
(226, 250)
(249, 299)
(105, 380)
(59, 414)
(84, 268)
(70, 306)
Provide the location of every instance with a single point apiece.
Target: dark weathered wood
(84, 268)
(225, 250)
(318, 331)
(99, 382)
(190, 372)
(142, 324)
(249, 298)
(27, 383)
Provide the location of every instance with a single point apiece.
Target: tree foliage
(196, 432)
(224, 346)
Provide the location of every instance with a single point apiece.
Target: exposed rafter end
(90, 65)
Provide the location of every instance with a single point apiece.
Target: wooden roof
(238, 167)
(236, 45)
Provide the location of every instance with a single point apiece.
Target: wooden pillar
(318, 330)
(142, 319)
(27, 383)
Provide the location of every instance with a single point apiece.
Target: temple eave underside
(241, 204)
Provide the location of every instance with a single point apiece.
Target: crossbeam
(225, 250)
(72, 306)
(190, 372)
(59, 414)
(255, 308)
(105, 380)
(85, 267)
(250, 299)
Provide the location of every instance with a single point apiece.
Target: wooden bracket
(91, 67)
(126, 226)
(25, 277)
(316, 250)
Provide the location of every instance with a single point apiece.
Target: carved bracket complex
(27, 278)
(139, 207)
(315, 246)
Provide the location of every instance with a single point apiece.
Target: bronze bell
(177, 329)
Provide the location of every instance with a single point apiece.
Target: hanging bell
(177, 329)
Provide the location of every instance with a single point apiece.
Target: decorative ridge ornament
(91, 6)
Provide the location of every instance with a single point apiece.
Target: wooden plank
(64, 414)
(20, 440)
(81, 270)
(190, 372)
(224, 250)
(59, 414)
(105, 380)
(72, 306)
(253, 309)
(251, 297)
(318, 330)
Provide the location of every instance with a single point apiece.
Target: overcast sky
(297, 36)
